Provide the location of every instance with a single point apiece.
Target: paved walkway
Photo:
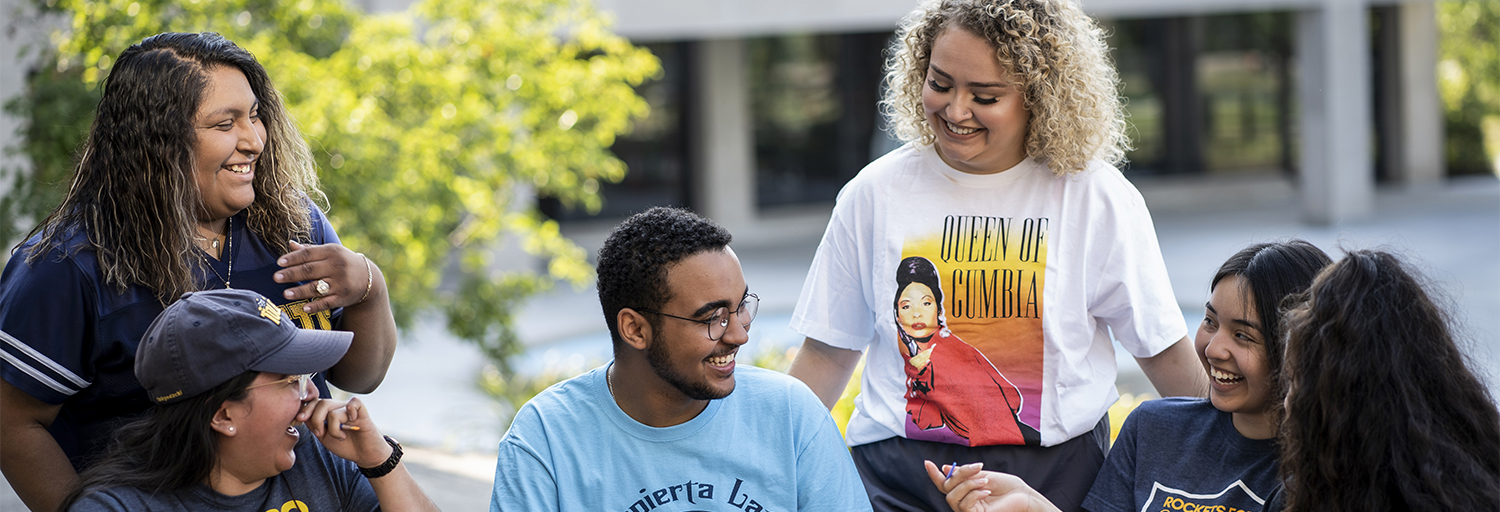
(431, 402)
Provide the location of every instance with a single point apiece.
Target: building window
(1208, 94)
(814, 103)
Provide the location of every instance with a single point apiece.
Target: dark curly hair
(633, 262)
(133, 192)
(1273, 272)
(1382, 412)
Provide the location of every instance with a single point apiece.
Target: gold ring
(322, 287)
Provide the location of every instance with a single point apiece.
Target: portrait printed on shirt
(968, 315)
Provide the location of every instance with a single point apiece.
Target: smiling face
(265, 429)
(680, 353)
(916, 310)
(230, 138)
(1232, 348)
(977, 114)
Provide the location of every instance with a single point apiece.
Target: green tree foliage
(433, 129)
(1469, 81)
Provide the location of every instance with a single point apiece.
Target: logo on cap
(269, 310)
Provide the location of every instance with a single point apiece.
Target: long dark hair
(172, 449)
(1382, 411)
(917, 269)
(1273, 272)
(133, 192)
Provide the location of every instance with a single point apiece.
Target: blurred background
(480, 151)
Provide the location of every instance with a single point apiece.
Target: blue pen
(951, 467)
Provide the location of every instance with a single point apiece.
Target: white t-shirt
(1033, 271)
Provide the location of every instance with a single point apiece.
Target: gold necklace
(226, 255)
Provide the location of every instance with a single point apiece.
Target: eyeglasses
(299, 380)
(718, 324)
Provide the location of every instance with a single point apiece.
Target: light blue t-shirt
(769, 446)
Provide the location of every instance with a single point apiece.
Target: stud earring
(231, 430)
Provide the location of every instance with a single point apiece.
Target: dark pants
(896, 480)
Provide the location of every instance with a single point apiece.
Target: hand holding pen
(971, 489)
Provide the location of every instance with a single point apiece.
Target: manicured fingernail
(288, 294)
(280, 262)
(306, 309)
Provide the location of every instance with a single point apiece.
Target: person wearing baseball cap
(228, 372)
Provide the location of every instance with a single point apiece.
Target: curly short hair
(634, 260)
(1054, 52)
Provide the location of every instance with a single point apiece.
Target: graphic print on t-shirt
(1236, 498)
(698, 497)
(968, 314)
(322, 320)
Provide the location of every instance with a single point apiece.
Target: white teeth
(961, 131)
(723, 360)
(1225, 377)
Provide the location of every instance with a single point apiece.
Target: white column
(1424, 161)
(724, 183)
(1333, 54)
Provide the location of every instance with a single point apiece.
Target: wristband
(389, 464)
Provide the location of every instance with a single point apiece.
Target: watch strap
(389, 464)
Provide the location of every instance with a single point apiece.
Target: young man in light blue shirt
(672, 423)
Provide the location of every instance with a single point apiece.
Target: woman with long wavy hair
(1382, 411)
(193, 176)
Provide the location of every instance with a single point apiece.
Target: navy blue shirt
(1183, 454)
(68, 337)
(319, 481)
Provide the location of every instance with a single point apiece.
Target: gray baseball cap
(209, 337)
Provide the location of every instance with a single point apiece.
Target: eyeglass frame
(301, 384)
(708, 324)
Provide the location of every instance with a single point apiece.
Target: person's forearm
(363, 367)
(399, 492)
(1176, 371)
(36, 467)
(33, 463)
(825, 369)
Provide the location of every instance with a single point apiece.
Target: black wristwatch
(389, 464)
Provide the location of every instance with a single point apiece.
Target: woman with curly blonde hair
(1008, 185)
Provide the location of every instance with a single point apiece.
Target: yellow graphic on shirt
(290, 506)
(322, 320)
(1237, 497)
(968, 309)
